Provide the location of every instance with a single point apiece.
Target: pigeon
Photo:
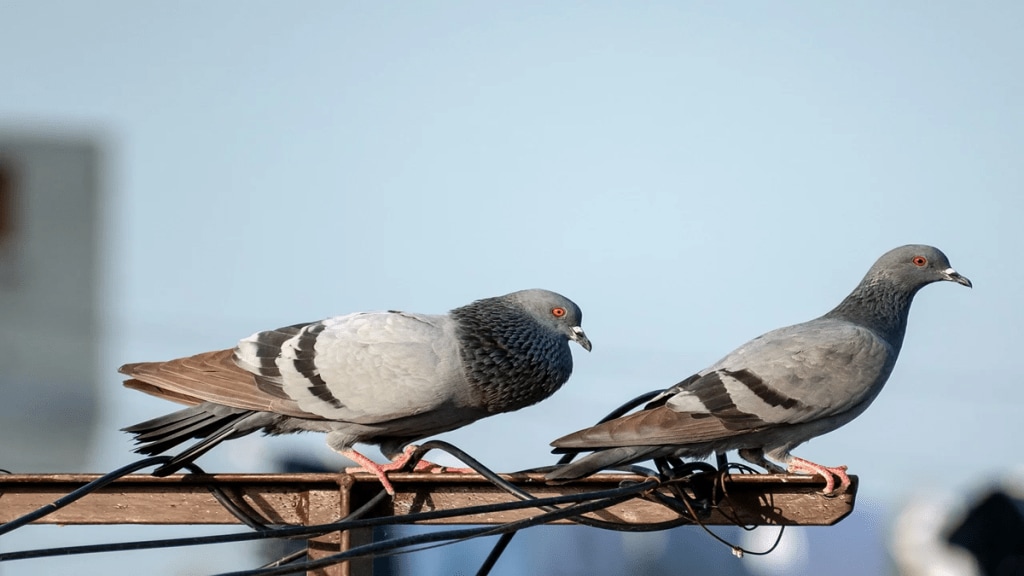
(780, 389)
(385, 378)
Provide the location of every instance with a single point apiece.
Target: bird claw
(399, 463)
(799, 465)
(376, 470)
(381, 470)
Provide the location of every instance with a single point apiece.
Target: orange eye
(919, 260)
(558, 312)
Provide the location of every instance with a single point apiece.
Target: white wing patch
(379, 366)
(686, 401)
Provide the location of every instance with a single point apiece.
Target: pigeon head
(914, 266)
(515, 348)
(553, 311)
(882, 299)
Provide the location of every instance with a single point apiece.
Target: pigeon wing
(364, 368)
(788, 376)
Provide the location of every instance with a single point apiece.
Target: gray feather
(782, 388)
(386, 378)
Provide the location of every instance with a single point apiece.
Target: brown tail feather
(208, 377)
(161, 393)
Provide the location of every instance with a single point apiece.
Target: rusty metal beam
(299, 499)
(306, 499)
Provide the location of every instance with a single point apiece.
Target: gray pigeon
(386, 378)
(780, 389)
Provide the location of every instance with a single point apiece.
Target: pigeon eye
(919, 260)
(558, 312)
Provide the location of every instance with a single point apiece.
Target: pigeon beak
(954, 276)
(580, 337)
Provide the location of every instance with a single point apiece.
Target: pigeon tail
(165, 432)
(597, 461)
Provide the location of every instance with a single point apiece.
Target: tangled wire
(690, 489)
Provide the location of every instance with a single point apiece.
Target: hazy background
(691, 174)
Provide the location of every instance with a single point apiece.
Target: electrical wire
(668, 468)
(320, 529)
(392, 546)
(357, 514)
(503, 542)
(695, 488)
(492, 558)
(81, 492)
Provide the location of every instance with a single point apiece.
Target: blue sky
(691, 174)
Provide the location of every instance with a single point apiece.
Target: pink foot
(422, 465)
(799, 465)
(381, 470)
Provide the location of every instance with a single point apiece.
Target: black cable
(674, 469)
(470, 462)
(674, 472)
(319, 529)
(496, 552)
(81, 492)
(503, 542)
(357, 514)
(738, 550)
(722, 460)
(672, 466)
(218, 493)
(247, 517)
(523, 495)
(392, 546)
(287, 559)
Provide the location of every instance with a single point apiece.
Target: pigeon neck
(879, 305)
(508, 357)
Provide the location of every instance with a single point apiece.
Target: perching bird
(386, 378)
(780, 389)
